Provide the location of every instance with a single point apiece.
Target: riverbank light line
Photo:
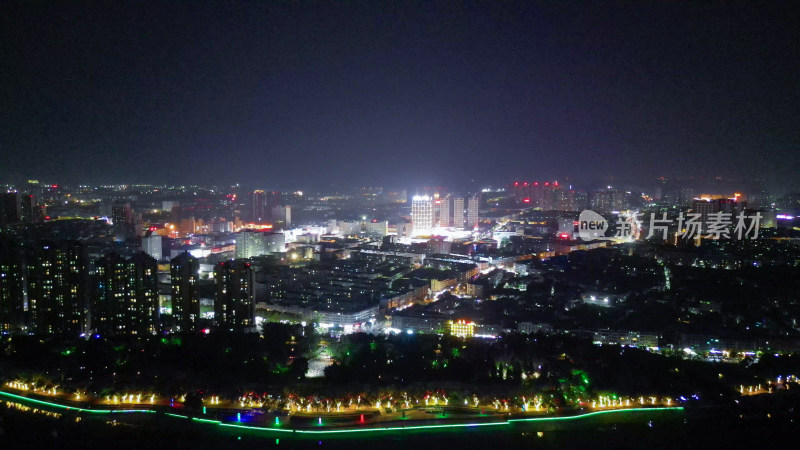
(74, 408)
(507, 422)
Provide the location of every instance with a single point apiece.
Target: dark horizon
(364, 93)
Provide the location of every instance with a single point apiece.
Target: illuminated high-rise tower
(126, 295)
(234, 307)
(12, 286)
(458, 212)
(151, 244)
(422, 214)
(472, 212)
(445, 218)
(58, 284)
(123, 221)
(184, 275)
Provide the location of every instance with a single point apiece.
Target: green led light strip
(609, 411)
(206, 420)
(73, 408)
(456, 425)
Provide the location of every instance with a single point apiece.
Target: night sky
(310, 93)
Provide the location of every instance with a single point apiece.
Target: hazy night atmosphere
(156, 92)
(314, 224)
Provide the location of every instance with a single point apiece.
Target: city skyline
(339, 224)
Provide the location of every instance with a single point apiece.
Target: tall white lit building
(472, 212)
(377, 229)
(251, 243)
(422, 214)
(152, 246)
(445, 219)
(458, 212)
